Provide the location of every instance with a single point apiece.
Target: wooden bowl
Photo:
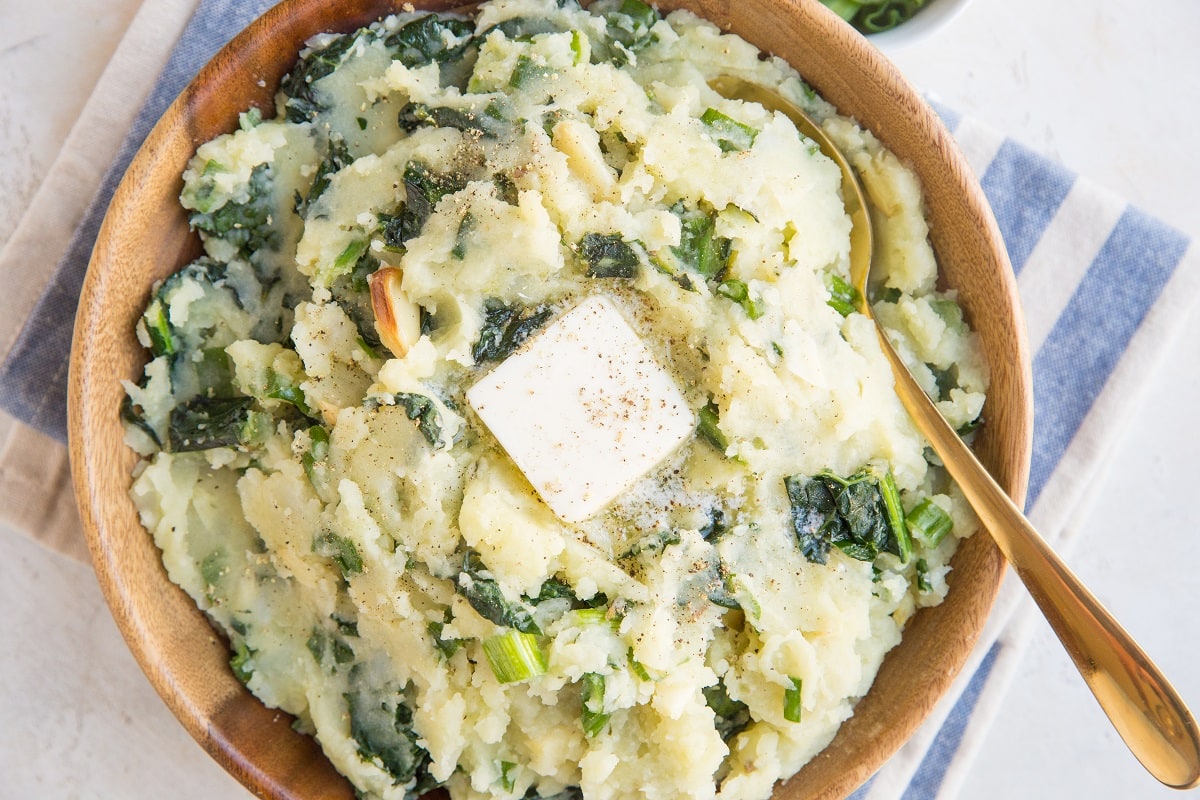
(145, 237)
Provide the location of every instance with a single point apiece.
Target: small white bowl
(934, 16)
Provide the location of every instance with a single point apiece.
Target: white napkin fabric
(1104, 287)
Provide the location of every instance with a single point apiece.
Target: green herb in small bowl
(875, 16)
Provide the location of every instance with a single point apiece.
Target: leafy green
(423, 189)
(505, 328)
(302, 103)
(651, 544)
(609, 256)
(843, 296)
(465, 226)
(523, 29)
(207, 372)
(337, 157)
(314, 459)
(158, 328)
(489, 123)
(628, 26)
(431, 38)
(482, 591)
(875, 16)
(860, 515)
(203, 423)
(342, 550)
(242, 662)
(133, 414)
(700, 250)
(592, 714)
(435, 628)
(245, 225)
(709, 426)
(732, 716)
(527, 71)
(381, 724)
(424, 412)
(729, 134)
(324, 645)
(739, 292)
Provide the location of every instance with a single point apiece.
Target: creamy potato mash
(388, 562)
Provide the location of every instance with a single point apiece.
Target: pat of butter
(583, 409)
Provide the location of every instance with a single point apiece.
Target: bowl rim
(234, 727)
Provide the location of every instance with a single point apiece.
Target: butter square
(583, 409)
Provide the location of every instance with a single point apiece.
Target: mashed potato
(432, 195)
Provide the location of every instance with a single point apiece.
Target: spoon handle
(1142, 705)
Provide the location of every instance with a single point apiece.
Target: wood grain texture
(145, 237)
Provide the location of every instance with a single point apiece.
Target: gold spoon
(1143, 707)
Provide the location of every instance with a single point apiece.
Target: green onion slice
(514, 656)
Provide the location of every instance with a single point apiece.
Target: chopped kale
(337, 157)
(242, 662)
(483, 593)
(732, 716)
(843, 296)
(506, 188)
(207, 372)
(709, 427)
(505, 328)
(435, 629)
(527, 71)
(302, 104)
(609, 256)
(729, 134)
(860, 515)
(342, 550)
(715, 526)
(628, 26)
(523, 29)
(488, 123)
(465, 226)
(592, 714)
(158, 327)
(423, 189)
(314, 459)
(247, 225)
(134, 415)
(381, 724)
(554, 589)
(739, 292)
(700, 250)
(431, 38)
(324, 646)
(423, 411)
(203, 423)
(651, 544)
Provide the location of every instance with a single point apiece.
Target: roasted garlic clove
(397, 319)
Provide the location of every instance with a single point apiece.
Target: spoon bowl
(1142, 705)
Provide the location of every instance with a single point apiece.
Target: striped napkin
(1104, 286)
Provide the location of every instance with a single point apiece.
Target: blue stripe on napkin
(928, 779)
(1091, 334)
(1024, 189)
(33, 378)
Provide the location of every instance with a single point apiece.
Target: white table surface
(1112, 89)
